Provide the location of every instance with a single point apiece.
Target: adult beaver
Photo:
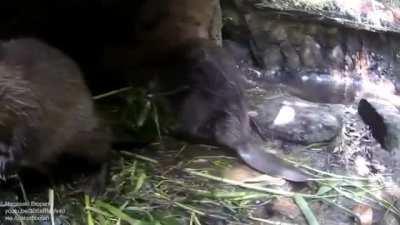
(46, 110)
(175, 42)
(211, 106)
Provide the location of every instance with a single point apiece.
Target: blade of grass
(194, 220)
(249, 186)
(305, 209)
(118, 213)
(88, 213)
(157, 123)
(51, 203)
(140, 181)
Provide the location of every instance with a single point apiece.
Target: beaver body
(211, 106)
(47, 111)
(174, 42)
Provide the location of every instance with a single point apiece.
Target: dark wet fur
(213, 108)
(47, 113)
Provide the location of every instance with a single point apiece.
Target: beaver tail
(270, 164)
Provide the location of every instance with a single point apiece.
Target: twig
(114, 92)
(21, 186)
(51, 203)
(147, 159)
(249, 186)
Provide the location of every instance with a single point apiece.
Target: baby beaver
(46, 111)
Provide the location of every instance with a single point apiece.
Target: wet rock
(234, 32)
(298, 121)
(231, 16)
(396, 53)
(278, 34)
(292, 59)
(313, 29)
(336, 56)
(311, 55)
(260, 30)
(259, 38)
(353, 43)
(348, 63)
(296, 35)
(240, 53)
(275, 29)
(333, 215)
(333, 37)
(384, 121)
(258, 22)
(390, 219)
(333, 30)
(353, 47)
(272, 58)
(397, 86)
(234, 27)
(322, 88)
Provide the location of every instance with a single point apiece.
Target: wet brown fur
(161, 27)
(46, 110)
(173, 41)
(213, 108)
